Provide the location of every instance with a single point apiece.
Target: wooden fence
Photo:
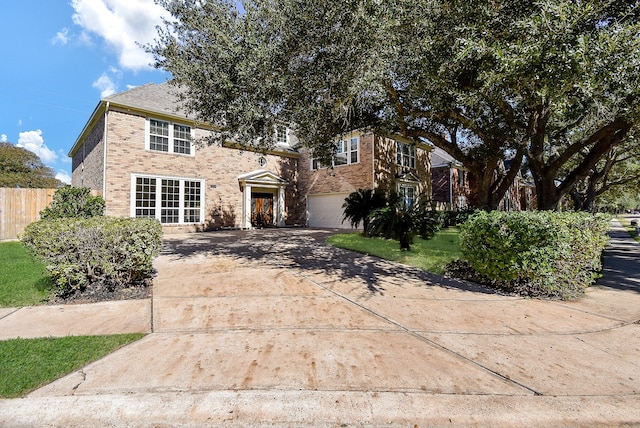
(19, 207)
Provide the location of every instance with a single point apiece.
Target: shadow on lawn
(305, 249)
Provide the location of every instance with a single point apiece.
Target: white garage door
(326, 211)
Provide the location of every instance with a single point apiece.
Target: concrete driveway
(273, 327)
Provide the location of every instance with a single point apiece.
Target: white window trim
(286, 134)
(348, 153)
(405, 185)
(158, 207)
(147, 137)
(412, 148)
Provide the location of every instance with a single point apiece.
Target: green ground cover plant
(24, 281)
(429, 255)
(27, 364)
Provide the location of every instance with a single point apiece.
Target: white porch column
(280, 212)
(246, 207)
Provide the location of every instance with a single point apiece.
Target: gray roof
(152, 97)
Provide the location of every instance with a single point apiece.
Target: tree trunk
(547, 195)
(485, 197)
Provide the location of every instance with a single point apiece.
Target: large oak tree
(551, 85)
(21, 168)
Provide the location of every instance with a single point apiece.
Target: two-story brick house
(363, 161)
(141, 153)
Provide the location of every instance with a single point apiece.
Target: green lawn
(431, 256)
(23, 280)
(27, 364)
(626, 223)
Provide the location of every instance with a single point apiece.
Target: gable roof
(160, 100)
(441, 158)
(153, 98)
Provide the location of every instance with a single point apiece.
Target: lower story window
(407, 194)
(170, 200)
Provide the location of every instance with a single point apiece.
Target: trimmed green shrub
(555, 254)
(107, 252)
(73, 202)
(456, 217)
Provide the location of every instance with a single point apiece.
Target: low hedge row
(112, 252)
(548, 254)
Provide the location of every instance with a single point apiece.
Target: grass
(626, 223)
(27, 364)
(431, 256)
(24, 281)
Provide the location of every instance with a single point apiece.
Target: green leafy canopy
(551, 85)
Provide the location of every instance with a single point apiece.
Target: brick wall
(387, 169)
(366, 174)
(339, 179)
(88, 161)
(219, 167)
(440, 183)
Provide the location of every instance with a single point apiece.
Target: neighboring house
(454, 188)
(521, 196)
(363, 161)
(449, 180)
(142, 154)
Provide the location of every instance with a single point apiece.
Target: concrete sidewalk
(274, 328)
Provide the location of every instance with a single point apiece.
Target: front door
(261, 209)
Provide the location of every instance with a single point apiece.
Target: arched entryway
(262, 199)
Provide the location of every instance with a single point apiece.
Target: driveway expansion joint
(10, 313)
(420, 337)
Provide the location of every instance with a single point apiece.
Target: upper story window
(281, 134)
(169, 137)
(347, 153)
(406, 154)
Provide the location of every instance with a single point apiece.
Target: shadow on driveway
(306, 249)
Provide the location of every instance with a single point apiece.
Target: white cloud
(85, 39)
(123, 24)
(63, 156)
(33, 141)
(3, 138)
(61, 37)
(64, 177)
(105, 85)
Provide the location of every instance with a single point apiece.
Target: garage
(326, 211)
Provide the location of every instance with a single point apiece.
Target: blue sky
(58, 58)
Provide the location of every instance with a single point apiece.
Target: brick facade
(88, 162)
(377, 168)
(219, 167)
(450, 186)
(339, 179)
(113, 151)
(387, 170)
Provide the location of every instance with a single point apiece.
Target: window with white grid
(406, 154)
(170, 200)
(347, 153)
(159, 135)
(192, 202)
(163, 136)
(145, 201)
